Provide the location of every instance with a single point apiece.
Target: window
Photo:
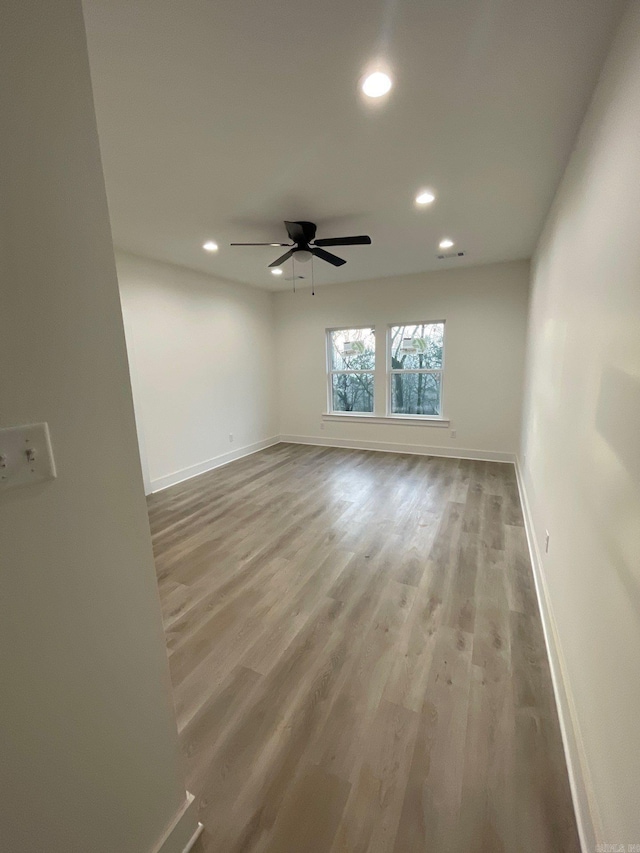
(352, 354)
(416, 352)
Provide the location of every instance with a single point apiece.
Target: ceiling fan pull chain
(313, 287)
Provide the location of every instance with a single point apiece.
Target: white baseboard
(183, 474)
(390, 447)
(579, 778)
(172, 479)
(184, 830)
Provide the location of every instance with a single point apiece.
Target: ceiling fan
(304, 244)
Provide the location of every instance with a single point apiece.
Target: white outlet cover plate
(16, 469)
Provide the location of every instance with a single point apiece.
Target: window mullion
(417, 370)
(380, 377)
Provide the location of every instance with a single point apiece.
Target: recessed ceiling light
(425, 197)
(376, 85)
(446, 243)
(210, 246)
(276, 271)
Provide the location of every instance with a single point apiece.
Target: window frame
(330, 370)
(390, 371)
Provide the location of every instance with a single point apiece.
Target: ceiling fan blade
(259, 244)
(327, 256)
(282, 259)
(362, 240)
(301, 232)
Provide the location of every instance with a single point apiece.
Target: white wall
(90, 758)
(581, 445)
(485, 312)
(201, 352)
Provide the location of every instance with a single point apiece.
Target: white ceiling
(218, 119)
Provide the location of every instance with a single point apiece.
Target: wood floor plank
(357, 656)
(321, 798)
(372, 813)
(431, 808)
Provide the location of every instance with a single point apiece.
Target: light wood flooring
(357, 657)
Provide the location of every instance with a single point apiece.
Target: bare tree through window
(416, 353)
(352, 355)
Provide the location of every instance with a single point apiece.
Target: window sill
(402, 420)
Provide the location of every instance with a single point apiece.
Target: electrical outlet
(546, 542)
(231, 437)
(453, 433)
(321, 424)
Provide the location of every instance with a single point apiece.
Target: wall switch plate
(546, 542)
(26, 456)
(231, 437)
(453, 433)
(321, 424)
